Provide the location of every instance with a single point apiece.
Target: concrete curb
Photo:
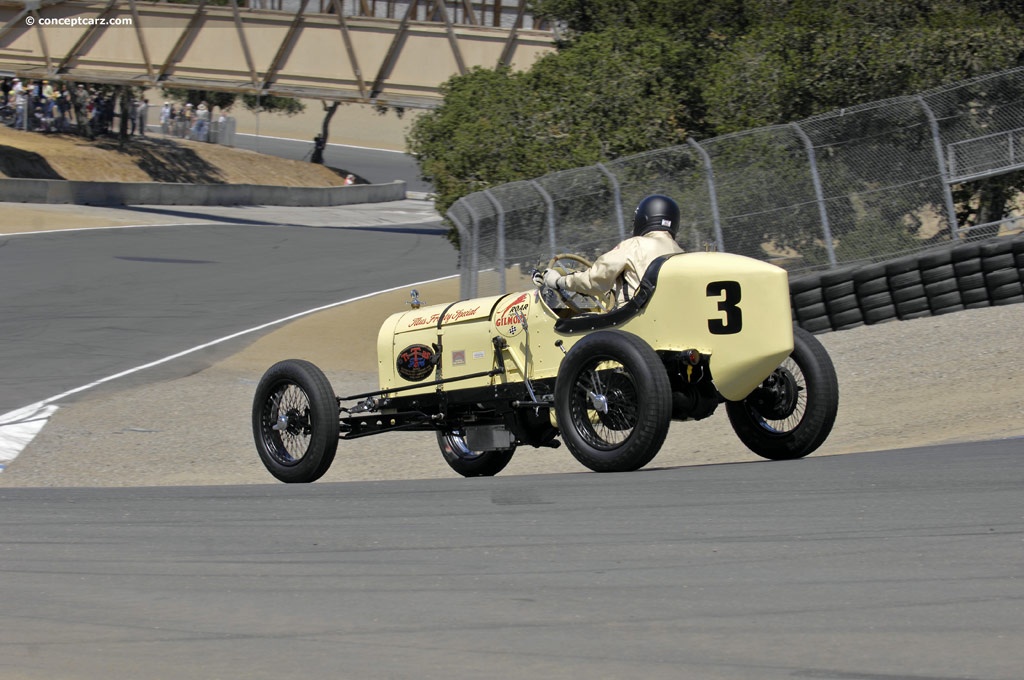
(157, 193)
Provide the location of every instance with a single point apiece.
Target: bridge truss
(388, 52)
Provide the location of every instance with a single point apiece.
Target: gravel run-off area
(953, 378)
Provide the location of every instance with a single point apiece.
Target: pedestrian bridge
(387, 52)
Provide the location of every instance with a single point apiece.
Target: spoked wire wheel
(791, 413)
(467, 462)
(613, 401)
(288, 437)
(603, 404)
(295, 421)
(780, 403)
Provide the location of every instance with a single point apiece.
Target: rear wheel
(467, 462)
(792, 412)
(613, 402)
(295, 421)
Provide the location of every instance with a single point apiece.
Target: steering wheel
(568, 263)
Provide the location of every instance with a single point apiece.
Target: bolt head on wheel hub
(776, 399)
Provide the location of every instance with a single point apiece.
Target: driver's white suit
(620, 268)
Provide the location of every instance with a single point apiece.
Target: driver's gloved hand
(550, 278)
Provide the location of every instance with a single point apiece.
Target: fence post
(618, 199)
(467, 275)
(940, 160)
(716, 218)
(475, 255)
(501, 239)
(551, 214)
(819, 194)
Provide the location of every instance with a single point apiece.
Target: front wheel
(613, 402)
(791, 413)
(470, 463)
(295, 421)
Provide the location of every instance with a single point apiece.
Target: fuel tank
(422, 346)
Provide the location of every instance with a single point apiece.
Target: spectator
(188, 119)
(81, 102)
(64, 108)
(133, 115)
(143, 115)
(20, 103)
(202, 123)
(165, 118)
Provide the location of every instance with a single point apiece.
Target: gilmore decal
(509, 321)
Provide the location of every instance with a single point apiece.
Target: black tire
(935, 259)
(613, 402)
(966, 259)
(880, 314)
(939, 274)
(946, 303)
(870, 280)
(876, 300)
(470, 463)
(295, 421)
(792, 412)
(841, 299)
(972, 289)
(848, 319)
(808, 298)
(820, 324)
(1003, 285)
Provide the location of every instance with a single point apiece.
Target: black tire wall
(950, 279)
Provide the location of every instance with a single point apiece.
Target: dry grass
(34, 155)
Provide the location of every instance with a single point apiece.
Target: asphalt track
(872, 566)
(876, 566)
(81, 305)
(376, 166)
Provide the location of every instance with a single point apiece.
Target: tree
(270, 103)
(635, 75)
(815, 57)
(611, 95)
(212, 98)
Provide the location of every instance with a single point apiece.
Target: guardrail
(948, 279)
(165, 193)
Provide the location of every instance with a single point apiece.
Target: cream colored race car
(491, 374)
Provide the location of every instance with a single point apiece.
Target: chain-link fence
(852, 185)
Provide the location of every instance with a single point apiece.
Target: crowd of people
(90, 111)
(186, 121)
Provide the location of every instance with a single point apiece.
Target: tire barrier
(951, 279)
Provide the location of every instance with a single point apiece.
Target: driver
(655, 225)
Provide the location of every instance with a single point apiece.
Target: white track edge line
(35, 415)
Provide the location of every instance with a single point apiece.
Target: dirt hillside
(154, 158)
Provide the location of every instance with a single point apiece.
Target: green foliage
(814, 57)
(213, 98)
(225, 100)
(269, 103)
(636, 75)
(613, 94)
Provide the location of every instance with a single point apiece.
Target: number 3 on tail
(733, 321)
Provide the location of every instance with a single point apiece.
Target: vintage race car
(532, 368)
